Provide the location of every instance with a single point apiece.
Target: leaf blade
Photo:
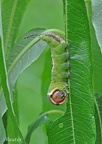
(3, 108)
(29, 51)
(11, 17)
(6, 90)
(97, 23)
(78, 125)
(13, 74)
(98, 118)
(82, 99)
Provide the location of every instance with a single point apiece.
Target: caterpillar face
(58, 88)
(57, 97)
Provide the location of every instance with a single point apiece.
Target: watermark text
(13, 139)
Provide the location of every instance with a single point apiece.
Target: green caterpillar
(58, 89)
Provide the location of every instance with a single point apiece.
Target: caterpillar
(58, 88)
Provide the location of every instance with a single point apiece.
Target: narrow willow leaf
(3, 106)
(3, 109)
(2, 131)
(21, 43)
(97, 66)
(98, 118)
(12, 13)
(24, 53)
(22, 61)
(96, 58)
(96, 55)
(6, 90)
(27, 58)
(97, 20)
(77, 126)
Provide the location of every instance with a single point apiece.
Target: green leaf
(77, 126)
(97, 65)
(22, 56)
(97, 81)
(21, 43)
(81, 97)
(12, 13)
(6, 90)
(96, 55)
(2, 132)
(97, 20)
(24, 53)
(3, 106)
(3, 109)
(98, 118)
(41, 119)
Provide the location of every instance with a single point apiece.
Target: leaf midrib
(66, 38)
(72, 120)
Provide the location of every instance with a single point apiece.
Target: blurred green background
(33, 83)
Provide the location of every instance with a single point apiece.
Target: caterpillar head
(57, 96)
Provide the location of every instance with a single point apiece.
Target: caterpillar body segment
(58, 89)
